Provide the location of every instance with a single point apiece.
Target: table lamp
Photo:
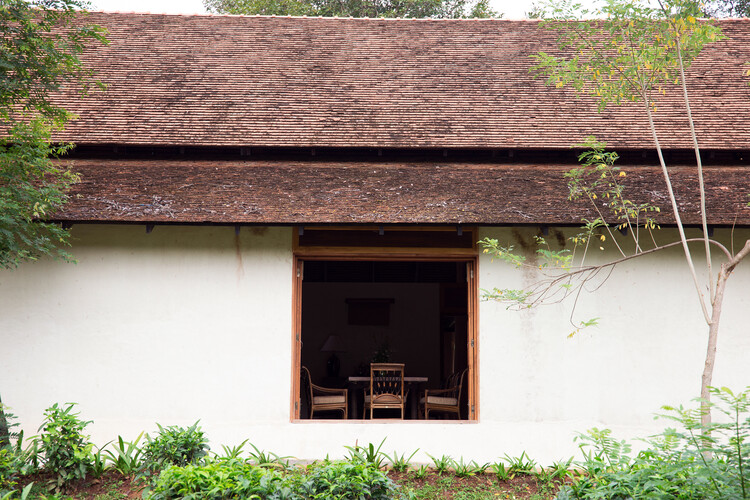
(333, 345)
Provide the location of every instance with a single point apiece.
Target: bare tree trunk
(713, 335)
(713, 330)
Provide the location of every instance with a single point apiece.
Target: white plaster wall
(180, 324)
(187, 323)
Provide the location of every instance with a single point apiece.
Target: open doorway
(355, 312)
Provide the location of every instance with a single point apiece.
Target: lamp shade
(333, 344)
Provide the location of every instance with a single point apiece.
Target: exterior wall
(192, 323)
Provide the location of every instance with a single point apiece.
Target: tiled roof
(310, 193)
(305, 82)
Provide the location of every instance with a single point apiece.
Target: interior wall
(413, 334)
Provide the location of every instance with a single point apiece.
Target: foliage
(352, 479)
(357, 8)
(630, 57)
(220, 479)
(233, 478)
(67, 452)
(127, 457)
(688, 463)
(267, 458)
(233, 452)
(369, 455)
(522, 464)
(726, 8)
(468, 469)
(442, 464)
(401, 463)
(501, 471)
(32, 187)
(421, 472)
(174, 445)
(39, 53)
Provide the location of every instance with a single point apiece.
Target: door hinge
(472, 342)
(472, 409)
(471, 273)
(297, 336)
(296, 406)
(299, 272)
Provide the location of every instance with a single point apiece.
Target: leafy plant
(67, 452)
(98, 461)
(264, 458)
(10, 495)
(368, 455)
(174, 445)
(421, 472)
(399, 462)
(233, 478)
(233, 452)
(467, 469)
(355, 479)
(127, 457)
(520, 465)
(442, 464)
(215, 480)
(691, 463)
(461, 468)
(559, 470)
(502, 472)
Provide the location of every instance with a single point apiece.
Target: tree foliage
(40, 47)
(727, 8)
(451, 9)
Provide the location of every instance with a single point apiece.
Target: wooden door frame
(370, 254)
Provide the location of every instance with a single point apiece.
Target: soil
(104, 486)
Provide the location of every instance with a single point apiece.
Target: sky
(513, 9)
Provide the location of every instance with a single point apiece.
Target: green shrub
(221, 479)
(127, 457)
(11, 456)
(67, 452)
(241, 479)
(692, 463)
(174, 446)
(355, 479)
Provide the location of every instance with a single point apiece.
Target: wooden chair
(324, 398)
(386, 388)
(446, 400)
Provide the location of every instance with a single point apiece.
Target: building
(252, 186)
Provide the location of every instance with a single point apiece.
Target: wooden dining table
(414, 396)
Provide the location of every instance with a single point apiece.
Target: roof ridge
(275, 16)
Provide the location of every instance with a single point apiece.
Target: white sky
(513, 9)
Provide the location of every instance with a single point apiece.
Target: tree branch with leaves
(630, 54)
(40, 46)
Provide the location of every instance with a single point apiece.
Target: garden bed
(114, 486)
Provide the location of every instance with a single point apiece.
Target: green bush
(693, 463)
(354, 479)
(241, 479)
(221, 479)
(174, 446)
(67, 452)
